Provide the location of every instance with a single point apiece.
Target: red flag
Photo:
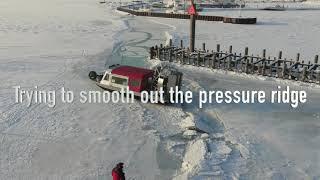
(192, 9)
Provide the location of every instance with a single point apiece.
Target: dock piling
(279, 67)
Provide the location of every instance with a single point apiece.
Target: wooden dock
(278, 67)
(233, 20)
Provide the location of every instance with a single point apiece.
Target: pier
(241, 62)
(233, 20)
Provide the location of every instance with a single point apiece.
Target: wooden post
(263, 60)
(154, 52)
(179, 57)
(230, 49)
(151, 53)
(298, 57)
(176, 58)
(198, 58)
(246, 70)
(236, 67)
(260, 68)
(170, 55)
(214, 60)
(182, 57)
(280, 55)
(278, 63)
(311, 75)
(264, 53)
(317, 76)
(230, 58)
(278, 69)
(161, 52)
(218, 61)
(264, 68)
(158, 53)
(224, 61)
(316, 59)
(170, 43)
(204, 47)
(246, 53)
(304, 74)
(193, 60)
(192, 32)
(181, 43)
(251, 65)
(277, 66)
(290, 73)
(188, 54)
(284, 68)
(290, 70)
(218, 48)
(209, 61)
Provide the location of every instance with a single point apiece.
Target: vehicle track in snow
(176, 137)
(159, 120)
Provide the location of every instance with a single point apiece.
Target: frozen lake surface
(54, 44)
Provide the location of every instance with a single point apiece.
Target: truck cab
(137, 79)
(134, 78)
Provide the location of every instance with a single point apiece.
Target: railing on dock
(278, 67)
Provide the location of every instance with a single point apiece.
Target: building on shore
(200, 4)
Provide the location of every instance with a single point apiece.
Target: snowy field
(54, 44)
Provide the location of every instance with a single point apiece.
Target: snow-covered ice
(54, 44)
(268, 141)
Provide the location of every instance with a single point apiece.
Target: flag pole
(192, 12)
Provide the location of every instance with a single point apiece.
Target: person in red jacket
(117, 172)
